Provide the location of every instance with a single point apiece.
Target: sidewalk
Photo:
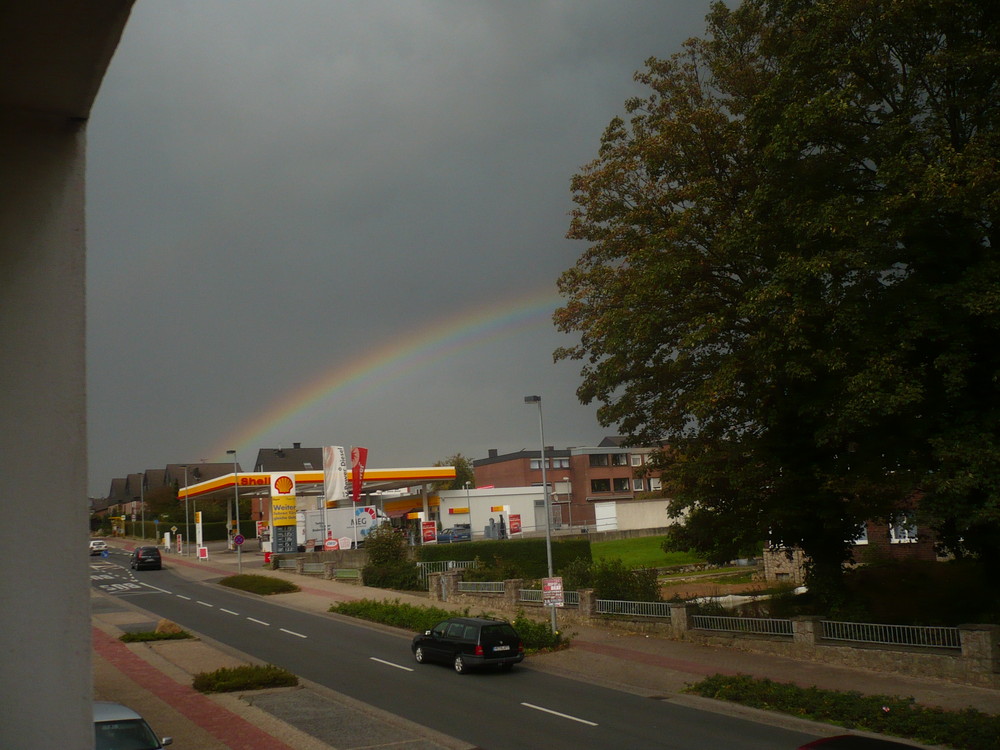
(643, 664)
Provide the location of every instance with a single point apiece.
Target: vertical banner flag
(334, 474)
(359, 457)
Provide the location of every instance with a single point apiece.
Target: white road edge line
(556, 713)
(229, 611)
(389, 663)
(259, 622)
(292, 632)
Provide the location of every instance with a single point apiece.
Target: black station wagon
(470, 642)
(145, 557)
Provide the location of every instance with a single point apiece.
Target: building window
(654, 484)
(621, 484)
(536, 463)
(638, 485)
(637, 459)
(619, 459)
(902, 530)
(862, 537)
(560, 463)
(598, 459)
(600, 485)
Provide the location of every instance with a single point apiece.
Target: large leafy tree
(789, 277)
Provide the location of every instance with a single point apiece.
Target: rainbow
(395, 359)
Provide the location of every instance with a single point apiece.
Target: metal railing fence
(481, 587)
(534, 596)
(439, 566)
(634, 609)
(755, 625)
(895, 635)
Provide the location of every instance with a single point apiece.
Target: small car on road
(118, 727)
(145, 557)
(469, 643)
(97, 546)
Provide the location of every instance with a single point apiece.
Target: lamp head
(532, 399)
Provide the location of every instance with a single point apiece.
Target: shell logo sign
(282, 484)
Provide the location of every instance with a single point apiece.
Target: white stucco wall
(44, 589)
(644, 514)
(521, 500)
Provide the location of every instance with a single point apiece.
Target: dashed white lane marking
(292, 632)
(229, 611)
(390, 664)
(259, 622)
(204, 604)
(185, 598)
(556, 713)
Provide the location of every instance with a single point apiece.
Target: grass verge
(263, 585)
(901, 717)
(245, 677)
(536, 636)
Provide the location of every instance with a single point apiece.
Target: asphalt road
(499, 711)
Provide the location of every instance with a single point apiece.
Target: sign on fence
(552, 592)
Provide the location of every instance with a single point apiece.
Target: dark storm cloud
(275, 187)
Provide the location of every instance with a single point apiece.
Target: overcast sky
(341, 223)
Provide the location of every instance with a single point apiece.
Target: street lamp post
(187, 521)
(142, 505)
(236, 495)
(468, 503)
(545, 494)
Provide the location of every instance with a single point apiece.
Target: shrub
(401, 576)
(538, 636)
(245, 677)
(385, 546)
(612, 579)
(263, 585)
(963, 730)
(149, 635)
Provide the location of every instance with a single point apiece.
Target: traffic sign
(238, 539)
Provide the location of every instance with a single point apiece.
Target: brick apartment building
(577, 477)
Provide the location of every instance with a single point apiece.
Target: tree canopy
(464, 472)
(789, 280)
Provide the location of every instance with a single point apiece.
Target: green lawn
(641, 552)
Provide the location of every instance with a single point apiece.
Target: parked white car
(97, 546)
(118, 727)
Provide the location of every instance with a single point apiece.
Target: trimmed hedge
(526, 556)
(963, 730)
(246, 677)
(537, 636)
(257, 584)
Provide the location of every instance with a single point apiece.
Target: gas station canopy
(311, 482)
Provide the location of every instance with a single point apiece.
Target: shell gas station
(278, 498)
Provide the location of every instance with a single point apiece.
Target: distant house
(901, 539)
(590, 487)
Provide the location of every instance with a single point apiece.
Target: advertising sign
(334, 474)
(515, 523)
(552, 592)
(359, 459)
(428, 532)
